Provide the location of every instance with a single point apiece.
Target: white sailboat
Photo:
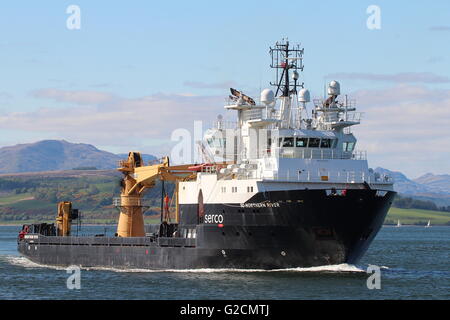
(398, 224)
(428, 224)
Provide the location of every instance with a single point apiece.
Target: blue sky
(182, 56)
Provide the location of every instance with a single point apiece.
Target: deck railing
(325, 176)
(316, 153)
(330, 176)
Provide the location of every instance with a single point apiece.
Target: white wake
(338, 268)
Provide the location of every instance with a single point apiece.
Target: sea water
(413, 264)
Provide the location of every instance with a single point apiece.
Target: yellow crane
(138, 178)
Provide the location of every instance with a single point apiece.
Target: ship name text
(260, 205)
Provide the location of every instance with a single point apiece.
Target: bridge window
(288, 142)
(301, 142)
(348, 146)
(216, 142)
(325, 143)
(314, 142)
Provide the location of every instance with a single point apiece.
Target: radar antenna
(285, 58)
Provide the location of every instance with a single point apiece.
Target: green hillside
(33, 197)
(417, 216)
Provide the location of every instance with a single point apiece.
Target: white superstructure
(284, 142)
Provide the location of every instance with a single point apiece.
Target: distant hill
(429, 187)
(402, 184)
(435, 183)
(51, 155)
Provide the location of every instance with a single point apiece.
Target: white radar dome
(334, 88)
(303, 95)
(267, 96)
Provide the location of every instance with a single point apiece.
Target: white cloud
(406, 128)
(104, 119)
(78, 97)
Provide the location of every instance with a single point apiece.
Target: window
(348, 146)
(216, 142)
(288, 142)
(224, 189)
(234, 189)
(249, 189)
(314, 143)
(301, 142)
(325, 143)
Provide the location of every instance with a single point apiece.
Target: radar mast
(284, 59)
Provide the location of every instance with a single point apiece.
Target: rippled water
(414, 264)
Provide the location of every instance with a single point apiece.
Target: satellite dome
(267, 96)
(303, 95)
(334, 88)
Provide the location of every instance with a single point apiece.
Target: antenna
(284, 59)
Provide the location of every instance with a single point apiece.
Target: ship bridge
(314, 144)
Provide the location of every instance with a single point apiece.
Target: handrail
(133, 201)
(329, 176)
(314, 153)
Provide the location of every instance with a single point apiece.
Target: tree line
(411, 203)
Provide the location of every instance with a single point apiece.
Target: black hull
(273, 230)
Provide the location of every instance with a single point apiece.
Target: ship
(281, 187)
